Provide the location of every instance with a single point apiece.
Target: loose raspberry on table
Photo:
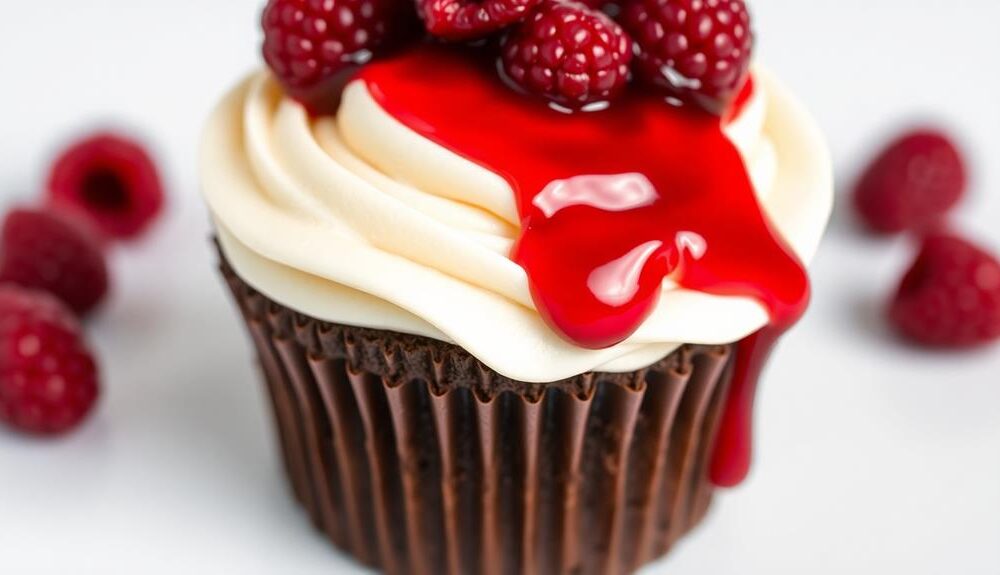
(697, 51)
(568, 54)
(112, 180)
(471, 19)
(48, 377)
(912, 183)
(950, 297)
(59, 253)
(313, 46)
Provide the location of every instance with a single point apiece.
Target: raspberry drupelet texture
(471, 19)
(569, 54)
(912, 183)
(56, 252)
(697, 51)
(112, 180)
(312, 46)
(950, 297)
(48, 377)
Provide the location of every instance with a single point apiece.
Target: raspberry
(951, 296)
(468, 19)
(112, 180)
(912, 183)
(569, 54)
(695, 50)
(48, 378)
(53, 252)
(313, 46)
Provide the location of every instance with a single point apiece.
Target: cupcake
(512, 269)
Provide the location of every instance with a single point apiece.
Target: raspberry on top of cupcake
(569, 53)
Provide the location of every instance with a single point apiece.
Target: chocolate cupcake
(501, 337)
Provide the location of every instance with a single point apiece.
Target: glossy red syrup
(612, 203)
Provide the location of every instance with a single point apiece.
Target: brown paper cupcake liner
(413, 457)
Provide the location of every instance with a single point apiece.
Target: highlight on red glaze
(612, 203)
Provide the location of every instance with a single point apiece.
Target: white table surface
(872, 457)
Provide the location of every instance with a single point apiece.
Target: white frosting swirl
(361, 221)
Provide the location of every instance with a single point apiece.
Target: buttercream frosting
(357, 219)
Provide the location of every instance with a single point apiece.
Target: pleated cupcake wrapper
(416, 459)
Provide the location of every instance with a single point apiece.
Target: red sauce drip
(611, 203)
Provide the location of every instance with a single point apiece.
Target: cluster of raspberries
(575, 55)
(950, 296)
(54, 273)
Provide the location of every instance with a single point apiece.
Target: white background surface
(872, 457)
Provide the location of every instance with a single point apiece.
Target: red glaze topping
(612, 203)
